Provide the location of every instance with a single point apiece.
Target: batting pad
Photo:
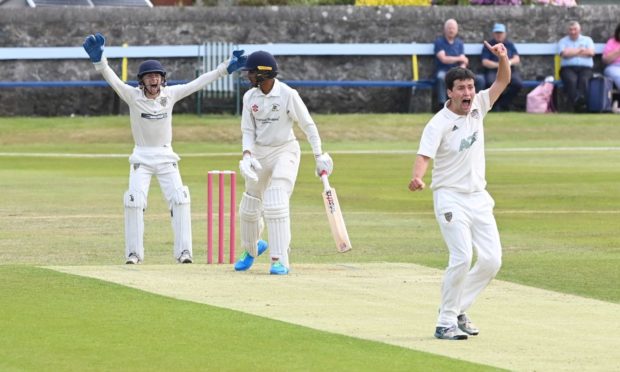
(135, 204)
(181, 221)
(278, 223)
(251, 224)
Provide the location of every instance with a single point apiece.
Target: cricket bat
(334, 216)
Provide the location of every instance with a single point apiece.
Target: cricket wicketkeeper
(150, 111)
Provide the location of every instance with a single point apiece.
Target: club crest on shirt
(163, 101)
(254, 108)
(475, 114)
(448, 216)
(275, 107)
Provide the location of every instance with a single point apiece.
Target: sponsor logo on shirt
(163, 115)
(467, 142)
(475, 114)
(163, 101)
(266, 121)
(275, 107)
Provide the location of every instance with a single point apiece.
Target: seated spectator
(490, 62)
(611, 57)
(450, 52)
(576, 65)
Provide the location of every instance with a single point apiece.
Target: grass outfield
(554, 178)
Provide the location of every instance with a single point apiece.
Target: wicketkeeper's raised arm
(236, 62)
(94, 45)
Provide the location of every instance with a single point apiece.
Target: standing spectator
(490, 62)
(611, 57)
(576, 51)
(450, 52)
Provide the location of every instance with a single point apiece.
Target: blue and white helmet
(150, 66)
(263, 63)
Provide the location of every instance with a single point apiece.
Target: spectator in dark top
(450, 52)
(490, 62)
(576, 51)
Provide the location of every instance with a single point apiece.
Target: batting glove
(248, 165)
(93, 45)
(324, 164)
(237, 61)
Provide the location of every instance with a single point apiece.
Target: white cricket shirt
(456, 145)
(151, 119)
(267, 119)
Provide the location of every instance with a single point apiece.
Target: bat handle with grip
(325, 181)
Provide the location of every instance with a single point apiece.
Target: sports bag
(540, 99)
(599, 94)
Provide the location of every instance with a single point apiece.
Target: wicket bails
(233, 203)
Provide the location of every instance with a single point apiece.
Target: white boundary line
(344, 152)
(198, 214)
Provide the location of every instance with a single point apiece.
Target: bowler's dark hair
(617, 33)
(458, 73)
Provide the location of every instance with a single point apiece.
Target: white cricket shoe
(132, 259)
(185, 258)
(450, 333)
(466, 325)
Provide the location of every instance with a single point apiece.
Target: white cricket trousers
(170, 181)
(466, 222)
(274, 188)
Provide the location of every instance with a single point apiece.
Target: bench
(410, 50)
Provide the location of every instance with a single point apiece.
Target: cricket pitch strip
(521, 328)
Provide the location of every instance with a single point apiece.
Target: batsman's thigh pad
(181, 221)
(250, 211)
(135, 204)
(285, 169)
(278, 221)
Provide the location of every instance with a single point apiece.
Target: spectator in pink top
(611, 57)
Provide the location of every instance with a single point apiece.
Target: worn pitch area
(522, 328)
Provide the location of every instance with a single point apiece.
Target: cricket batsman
(454, 139)
(271, 156)
(150, 112)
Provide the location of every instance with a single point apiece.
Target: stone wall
(21, 27)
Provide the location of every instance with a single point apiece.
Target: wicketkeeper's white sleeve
(183, 90)
(123, 90)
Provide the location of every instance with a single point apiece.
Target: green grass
(557, 212)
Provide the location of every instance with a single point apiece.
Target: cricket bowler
(271, 156)
(150, 112)
(454, 139)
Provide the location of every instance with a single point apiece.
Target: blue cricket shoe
(246, 261)
(278, 269)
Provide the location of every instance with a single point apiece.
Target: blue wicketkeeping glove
(93, 45)
(237, 61)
